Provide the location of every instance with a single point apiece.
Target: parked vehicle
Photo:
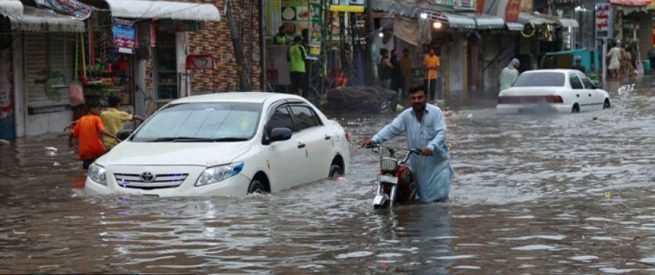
(565, 59)
(395, 183)
(226, 144)
(552, 90)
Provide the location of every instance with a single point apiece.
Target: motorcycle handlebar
(392, 150)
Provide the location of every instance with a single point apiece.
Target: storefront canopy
(31, 19)
(537, 19)
(457, 21)
(153, 9)
(409, 8)
(11, 7)
(488, 22)
(513, 26)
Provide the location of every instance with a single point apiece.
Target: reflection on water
(532, 194)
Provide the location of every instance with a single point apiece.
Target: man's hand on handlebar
(426, 151)
(367, 143)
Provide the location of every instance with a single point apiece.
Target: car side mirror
(597, 85)
(279, 134)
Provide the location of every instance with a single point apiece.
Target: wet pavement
(533, 194)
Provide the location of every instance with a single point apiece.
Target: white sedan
(555, 90)
(226, 144)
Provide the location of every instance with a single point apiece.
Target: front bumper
(527, 108)
(236, 186)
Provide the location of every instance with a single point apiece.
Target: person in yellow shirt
(406, 69)
(114, 120)
(431, 64)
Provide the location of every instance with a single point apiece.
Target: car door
(597, 97)
(313, 135)
(285, 160)
(578, 91)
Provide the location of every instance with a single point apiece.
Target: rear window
(542, 79)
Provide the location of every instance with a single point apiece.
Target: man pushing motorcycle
(425, 126)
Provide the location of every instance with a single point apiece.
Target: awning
(407, 8)
(488, 22)
(37, 20)
(154, 9)
(406, 29)
(636, 3)
(457, 21)
(566, 22)
(537, 19)
(513, 26)
(11, 7)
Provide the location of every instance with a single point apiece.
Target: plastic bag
(76, 94)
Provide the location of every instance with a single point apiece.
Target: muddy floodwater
(538, 193)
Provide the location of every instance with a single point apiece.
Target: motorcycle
(395, 182)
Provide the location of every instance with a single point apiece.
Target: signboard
(124, 35)
(446, 3)
(73, 8)
(316, 29)
(347, 5)
(199, 62)
(295, 17)
(635, 3)
(506, 9)
(603, 20)
(512, 10)
(273, 11)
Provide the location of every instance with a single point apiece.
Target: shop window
(166, 80)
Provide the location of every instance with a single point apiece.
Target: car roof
(551, 71)
(253, 97)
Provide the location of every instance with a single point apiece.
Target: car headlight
(219, 173)
(97, 173)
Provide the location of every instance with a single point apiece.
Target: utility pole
(370, 38)
(262, 48)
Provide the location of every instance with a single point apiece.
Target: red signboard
(512, 10)
(637, 3)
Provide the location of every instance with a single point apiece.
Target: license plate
(388, 179)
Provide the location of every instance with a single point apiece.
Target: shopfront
(36, 53)
(142, 56)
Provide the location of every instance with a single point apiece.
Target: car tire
(576, 108)
(607, 104)
(335, 171)
(257, 187)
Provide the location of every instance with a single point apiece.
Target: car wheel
(575, 109)
(607, 104)
(257, 187)
(335, 171)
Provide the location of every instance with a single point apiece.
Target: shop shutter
(47, 55)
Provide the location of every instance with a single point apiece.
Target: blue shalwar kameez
(433, 173)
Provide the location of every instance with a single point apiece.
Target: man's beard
(418, 107)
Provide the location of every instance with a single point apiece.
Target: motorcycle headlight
(388, 164)
(219, 173)
(97, 174)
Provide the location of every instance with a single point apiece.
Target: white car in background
(555, 90)
(226, 144)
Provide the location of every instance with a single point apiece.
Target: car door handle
(327, 137)
(301, 145)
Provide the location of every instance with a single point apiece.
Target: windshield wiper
(231, 139)
(195, 139)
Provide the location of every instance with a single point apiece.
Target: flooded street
(535, 194)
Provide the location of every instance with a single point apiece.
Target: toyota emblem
(147, 176)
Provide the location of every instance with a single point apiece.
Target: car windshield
(202, 122)
(540, 79)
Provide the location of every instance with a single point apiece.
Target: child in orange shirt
(88, 130)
